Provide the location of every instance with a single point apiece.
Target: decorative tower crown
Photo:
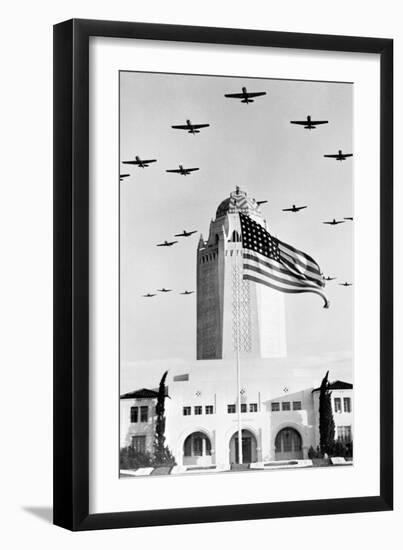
(238, 201)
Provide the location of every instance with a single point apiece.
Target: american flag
(271, 262)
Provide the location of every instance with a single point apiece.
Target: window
(198, 409)
(296, 405)
(197, 444)
(253, 407)
(243, 408)
(231, 409)
(139, 443)
(337, 405)
(344, 434)
(187, 411)
(134, 414)
(144, 414)
(275, 407)
(286, 406)
(347, 404)
(209, 409)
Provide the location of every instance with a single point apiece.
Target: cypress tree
(326, 422)
(162, 454)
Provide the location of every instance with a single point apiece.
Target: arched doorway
(249, 448)
(197, 450)
(288, 444)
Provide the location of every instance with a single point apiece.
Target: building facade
(203, 401)
(202, 420)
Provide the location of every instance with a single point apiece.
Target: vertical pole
(238, 361)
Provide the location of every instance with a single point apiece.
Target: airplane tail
(247, 100)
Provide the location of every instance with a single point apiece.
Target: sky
(253, 146)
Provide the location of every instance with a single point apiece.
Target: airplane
(350, 219)
(260, 202)
(166, 243)
(329, 278)
(191, 128)
(185, 233)
(188, 292)
(309, 124)
(245, 96)
(164, 289)
(123, 176)
(139, 162)
(339, 156)
(346, 284)
(182, 171)
(294, 208)
(148, 295)
(334, 222)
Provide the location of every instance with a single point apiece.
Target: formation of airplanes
(149, 295)
(245, 97)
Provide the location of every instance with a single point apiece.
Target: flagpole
(238, 360)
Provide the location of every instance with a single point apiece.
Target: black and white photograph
(236, 283)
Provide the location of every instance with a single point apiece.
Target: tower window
(231, 409)
(275, 407)
(252, 407)
(187, 411)
(296, 405)
(286, 406)
(209, 409)
(236, 237)
(198, 409)
(243, 408)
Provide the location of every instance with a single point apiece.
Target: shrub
(312, 453)
(131, 459)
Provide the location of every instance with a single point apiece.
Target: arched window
(288, 444)
(197, 444)
(235, 237)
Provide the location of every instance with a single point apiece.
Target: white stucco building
(203, 403)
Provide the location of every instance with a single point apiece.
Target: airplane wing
(347, 154)
(301, 207)
(176, 171)
(290, 210)
(130, 162)
(332, 156)
(301, 122)
(255, 94)
(236, 96)
(191, 232)
(329, 223)
(316, 122)
(181, 127)
(191, 169)
(148, 161)
(161, 244)
(197, 126)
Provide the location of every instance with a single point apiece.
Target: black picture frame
(71, 273)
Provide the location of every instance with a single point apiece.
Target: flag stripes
(278, 265)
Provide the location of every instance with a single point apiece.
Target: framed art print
(223, 274)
